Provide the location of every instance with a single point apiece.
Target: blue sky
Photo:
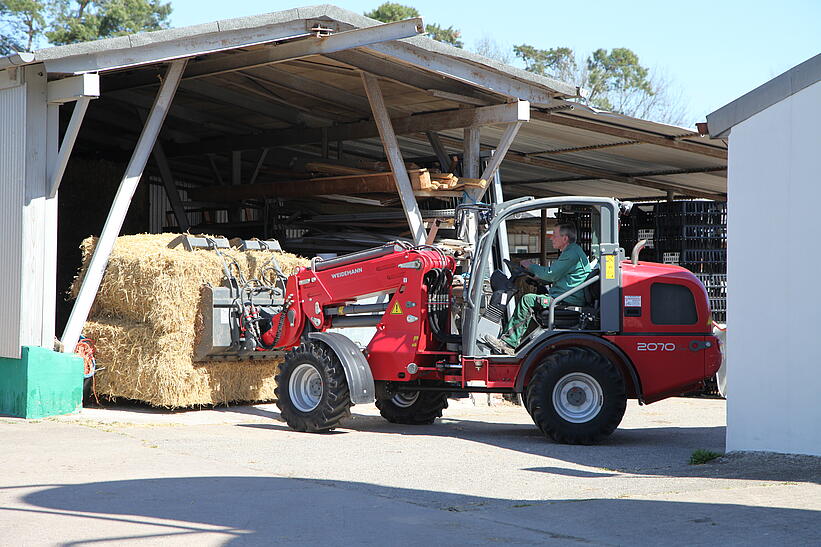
(714, 51)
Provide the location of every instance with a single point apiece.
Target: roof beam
(559, 118)
(437, 121)
(477, 75)
(410, 76)
(297, 49)
(309, 87)
(581, 148)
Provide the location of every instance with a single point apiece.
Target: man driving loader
(568, 271)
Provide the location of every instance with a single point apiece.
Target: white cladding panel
(12, 183)
(774, 305)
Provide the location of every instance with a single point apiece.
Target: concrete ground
(481, 475)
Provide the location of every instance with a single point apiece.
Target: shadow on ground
(266, 510)
(647, 450)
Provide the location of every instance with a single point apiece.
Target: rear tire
(312, 391)
(576, 396)
(413, 408)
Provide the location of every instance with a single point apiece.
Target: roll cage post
(609, 254)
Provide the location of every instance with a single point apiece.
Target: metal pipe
(564, 295)
(634, 256)
(413, 388)
(345, 260)
(350, 309)
(119, 208)
(356, 321)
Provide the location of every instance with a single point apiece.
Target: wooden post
(119, 208)
(391, 145)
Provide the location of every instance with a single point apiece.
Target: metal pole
(119, 208)
(543, 238)
(400, 174)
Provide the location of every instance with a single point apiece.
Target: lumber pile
(144, 323)
(345, 181)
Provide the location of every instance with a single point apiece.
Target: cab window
(672, 305)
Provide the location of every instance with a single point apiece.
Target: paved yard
(480, 475)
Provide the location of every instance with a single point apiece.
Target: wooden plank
(375, 183)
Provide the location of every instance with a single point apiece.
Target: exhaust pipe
(634, 256)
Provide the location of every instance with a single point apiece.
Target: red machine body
(658, 360)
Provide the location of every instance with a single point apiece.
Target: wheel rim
(305, 387)
(405, 399)
(578, 397)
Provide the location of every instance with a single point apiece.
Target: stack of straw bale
(144, 324)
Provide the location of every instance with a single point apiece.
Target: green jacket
(569, 270)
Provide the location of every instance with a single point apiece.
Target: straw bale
(137, 364)
(147, 282)
(144, 324)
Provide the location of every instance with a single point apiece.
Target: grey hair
(567, 230)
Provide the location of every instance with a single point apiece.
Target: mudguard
(534, 351)
(357, 369)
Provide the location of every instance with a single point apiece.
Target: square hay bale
(144, 323)
(148, 282)
(159, 370)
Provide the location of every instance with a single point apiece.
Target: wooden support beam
(439, 150)
(170, 187)
(119, 208)
(588, 148)
(394, 154)
(436, 121)
(565, 120)
(470, 152)
(56, 170)
(260, 162)
(496, 159)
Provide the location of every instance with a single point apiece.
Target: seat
(573, 317)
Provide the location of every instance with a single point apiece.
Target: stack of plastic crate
(639, 224)
(693, 234)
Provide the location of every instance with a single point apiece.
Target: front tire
(412, 408)
(312, 391)
(576, 396)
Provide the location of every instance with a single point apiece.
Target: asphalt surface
(481, 475)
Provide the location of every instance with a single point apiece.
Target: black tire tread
(424, 411)
(336, 404)
(540, 389)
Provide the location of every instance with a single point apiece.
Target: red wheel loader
(643, 333)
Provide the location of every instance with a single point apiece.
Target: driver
(568, 271)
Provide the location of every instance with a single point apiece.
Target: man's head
(563, 235)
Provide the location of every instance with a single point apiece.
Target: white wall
(774, 300)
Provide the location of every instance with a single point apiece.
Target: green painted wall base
(41, 383)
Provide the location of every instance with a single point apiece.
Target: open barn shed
(288, 125)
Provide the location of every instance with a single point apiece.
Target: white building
(774, 302)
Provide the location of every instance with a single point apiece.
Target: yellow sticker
(396, 309)
(609, 267)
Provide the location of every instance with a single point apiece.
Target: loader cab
(495, 286)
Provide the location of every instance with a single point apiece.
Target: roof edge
(764, 96)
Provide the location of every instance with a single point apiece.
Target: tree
(21, 24)
(486, 46)
(390, 12)
(83, 20)
(615, 81)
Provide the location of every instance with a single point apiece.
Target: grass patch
(701, 456)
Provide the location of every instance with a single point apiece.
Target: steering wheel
(516, 271)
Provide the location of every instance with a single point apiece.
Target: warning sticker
(610, 267)
(396, 309)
